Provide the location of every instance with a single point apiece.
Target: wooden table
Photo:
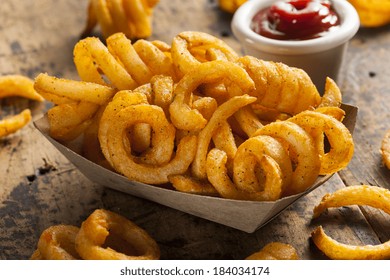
(39, 187)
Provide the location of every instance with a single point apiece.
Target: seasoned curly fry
(132, 17)
(185, 117)
(372, 13)
(275, 251)
(189, 49)
(198, 116)
(217, 174)
(106, 235)
(278, 86)
(230, 6)
(332, 95)
(385, 149)
(355, 195)
(57, 243)
(352, 195)
(339, 138)
(117, 118)
(14, 123)
(301, 150)
(19, 86)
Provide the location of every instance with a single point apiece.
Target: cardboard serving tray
(247, 216)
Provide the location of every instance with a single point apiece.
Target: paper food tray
(247, 216)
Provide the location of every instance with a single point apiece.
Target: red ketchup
(296, 20)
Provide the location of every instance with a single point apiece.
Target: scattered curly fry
(230, 6)
(110, 236)
(18, 85)
(14, 123)
(385, 149)
(132, 17)
(372, 13)
(353, 195)
(57, 243)
(275, 251)
(103, 235)
(21, 86)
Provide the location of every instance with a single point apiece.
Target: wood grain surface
(39, 187)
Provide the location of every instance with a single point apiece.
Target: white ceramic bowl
(320, 57)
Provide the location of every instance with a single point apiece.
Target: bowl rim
(240, 25)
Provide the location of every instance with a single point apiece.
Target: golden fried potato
(14, 123)
(385, 149)
(275, 251)
(352, 195)
(132, 17)
(106, 235)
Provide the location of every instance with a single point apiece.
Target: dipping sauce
(296, 20)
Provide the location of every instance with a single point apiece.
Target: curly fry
(355, 195)
(302, 152)
(110, 236)
(20, 86)
(132, 17)
(218, 176)
(189, 49)
(17, 85)
(275, 251)
(14, 123)
(385, 149)
(352, 195)
(152, 166)
(230, 6)
(339, 138)
(182, 115)
(278, 86)
(57, 243)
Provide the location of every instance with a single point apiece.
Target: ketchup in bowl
(296, 20)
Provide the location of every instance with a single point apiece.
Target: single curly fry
(218, 176)
(189, 49)
(106, 235)
(355, 195)
(275, 251)
(57, 243)
(385, 149)
(12, 124)
(230, 6)
(61, 91)
(278, 86)
(21, 86)
(17, 85)
(332, 95)
(69, 120)
(132, 17)
(373, 196)
(302, 152)
(117, 149)
(372, 13)
(339, 138)
(339, 251)
(246, 173)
